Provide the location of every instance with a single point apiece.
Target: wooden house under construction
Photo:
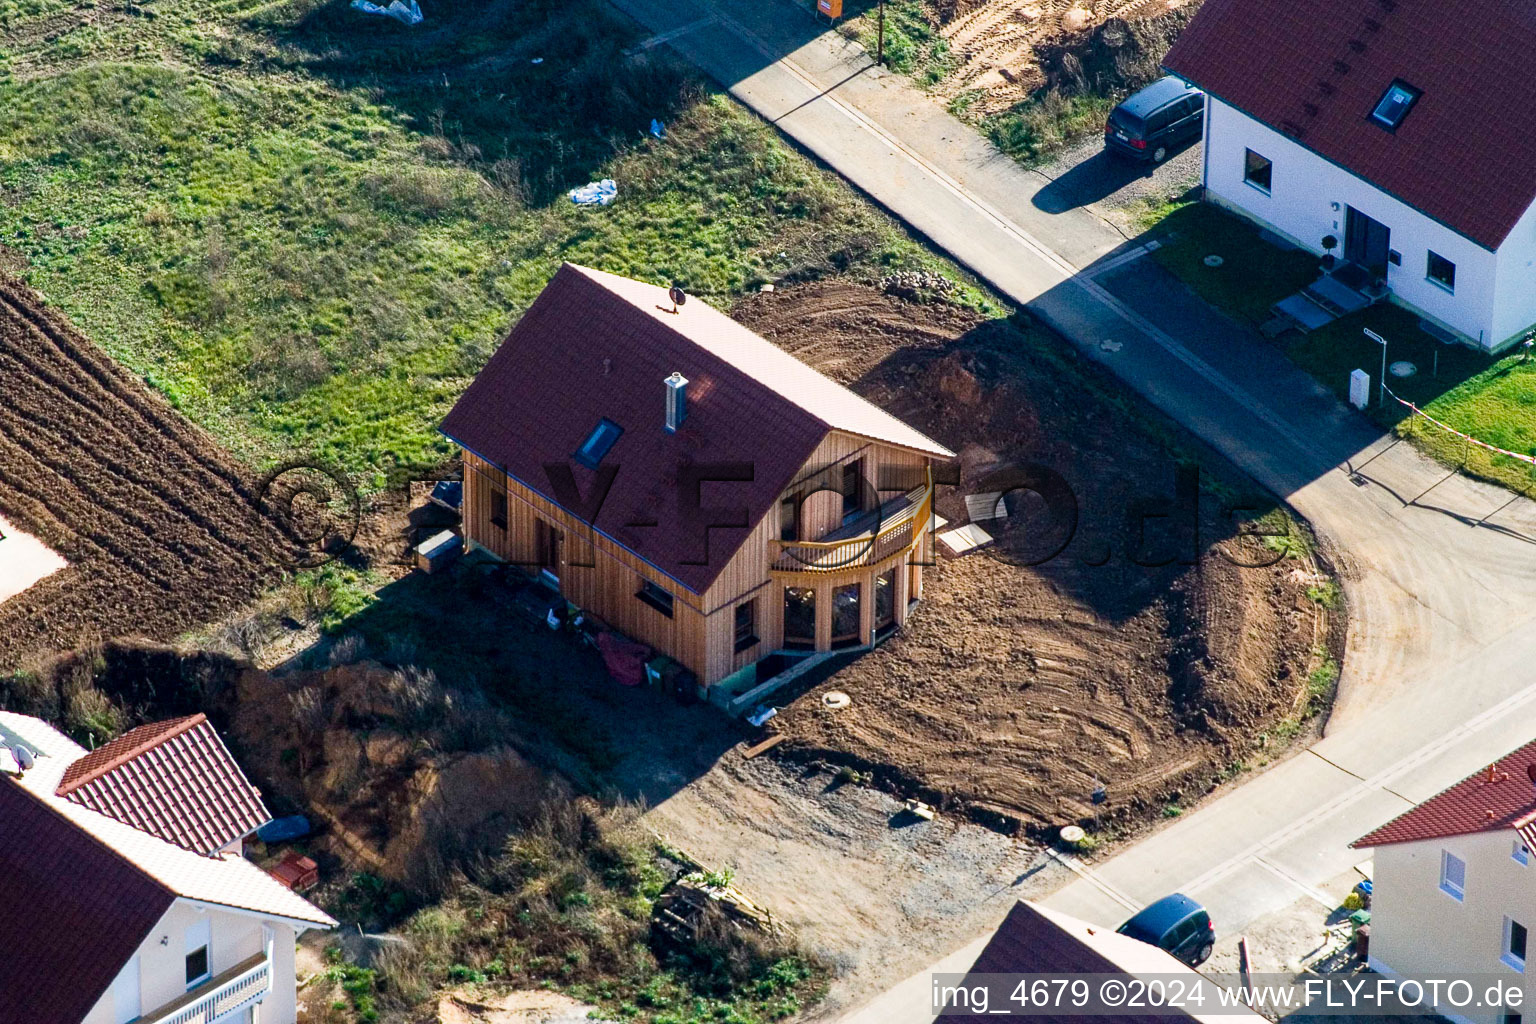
(689, 483)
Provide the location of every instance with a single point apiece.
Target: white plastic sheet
(405, 13)
(597, 193)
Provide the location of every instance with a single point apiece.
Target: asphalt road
(1439, 571)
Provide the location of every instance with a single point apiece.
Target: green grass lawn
(1491, 399)
(310, 228)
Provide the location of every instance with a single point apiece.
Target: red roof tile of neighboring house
(72, 912)
(175, 780)
(596, 346)
(1316, 69)
(1499, 797)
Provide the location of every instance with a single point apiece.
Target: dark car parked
(1152, 123)
(1176, 924)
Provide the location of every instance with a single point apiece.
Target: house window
(199, 962)
(1453, 875)
(1442, 272)
(1258, 171)
(1512, 1018)
(597, 444)
(1513, 954)
(846, 615)
(853, 489)
(746, 625)
(657, 598)
(1394, 106)
(789, 519)
(1521, 853)
(499, 509)
(799, 618)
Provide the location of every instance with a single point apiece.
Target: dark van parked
(1176, 924)
(1154, 122)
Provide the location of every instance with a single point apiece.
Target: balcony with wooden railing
(243, 985)
(871, 540)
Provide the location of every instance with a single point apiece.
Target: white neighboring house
(1454, 885)
(1403, 129)
(123, 893)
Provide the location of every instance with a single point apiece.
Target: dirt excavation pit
(1016, 691)
(1005, 50)
(23, 560)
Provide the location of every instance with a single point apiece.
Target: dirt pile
(1008, 49)
(158, 523)
(406, 776)
(1019, 688)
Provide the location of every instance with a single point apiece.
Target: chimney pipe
(677, 401)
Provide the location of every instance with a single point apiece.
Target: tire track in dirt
(158, 524)
(993, 43)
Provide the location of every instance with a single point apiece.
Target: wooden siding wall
(701, 632)
(607, 588)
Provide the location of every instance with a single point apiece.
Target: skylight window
(597, 444)
(1394, 106)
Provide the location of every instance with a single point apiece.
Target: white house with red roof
(123, 892)
(1401, 128)
(1455, 883)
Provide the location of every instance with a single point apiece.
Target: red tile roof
(595, 346)
(1499, 797)
(72, 912)
(1315, 69)
(175, 780)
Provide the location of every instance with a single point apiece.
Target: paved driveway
(1440, 574)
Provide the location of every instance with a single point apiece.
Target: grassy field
(309, 227)
(1491, 399)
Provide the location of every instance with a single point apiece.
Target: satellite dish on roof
(23, 756)
(677, 295)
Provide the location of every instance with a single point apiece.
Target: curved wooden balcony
(875, 537)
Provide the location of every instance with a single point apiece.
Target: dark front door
(1366, 242)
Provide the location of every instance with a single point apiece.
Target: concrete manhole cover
(1214, 261)
(1402, 368)
(836, 699)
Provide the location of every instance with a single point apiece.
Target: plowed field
(158, 524)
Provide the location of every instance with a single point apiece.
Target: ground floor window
(1442, 271)
(1258, 171)
(654, 596)
(746, 625)
(1514, 944)
(885, 598)
(499, 509)
(799, 618)
(845, 615)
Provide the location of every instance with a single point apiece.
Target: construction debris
(918, 809)
(964, 539)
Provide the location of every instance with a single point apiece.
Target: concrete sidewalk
(1439, 571)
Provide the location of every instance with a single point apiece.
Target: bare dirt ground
(1015, 690)
(1001, 47)
(157, 522)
